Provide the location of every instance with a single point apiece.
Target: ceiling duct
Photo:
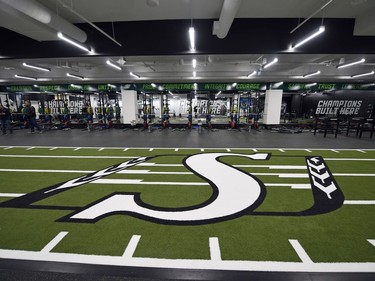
(227, 15)
(40, 13)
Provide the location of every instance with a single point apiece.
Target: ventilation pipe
(227, 15)
(44, 15)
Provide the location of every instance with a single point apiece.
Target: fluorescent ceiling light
(192, 38)
(75, 76)
(362, 74)
(313, 35)
(194, 63)
(311, 84)
(170, 93)
(25, 77)
(153, 85)
(113, 65)
(312, 74)
(252, 73)
(271, 63)
(36, 67)
(218, 93)
(82, 47)
(135, 75)
(194, 74)
(351, 63)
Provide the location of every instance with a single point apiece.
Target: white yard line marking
(141, 182)
(215, 253)
(281, 150)
(100, 149)
(32, 147)
(349, 159)
(151, 149)
(308, 150)
(126, 149)
(359, 202)
(334, 150)
(243, 265)
(359, 150)
(69, 156)
(144, 172)
(45, 171)
(214, 148)
(300, 251)
(228, 149)
(353, 175)
(53, 148)
(275, 167)
(372, 241)
(77, 148)
(132, 245)
(160, 165)
(176, 149)
(9, 147)
(52, 244)
(12, 194)
(291, 185)
(148, 172)
(255, 150)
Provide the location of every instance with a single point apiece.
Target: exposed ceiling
(175, 65)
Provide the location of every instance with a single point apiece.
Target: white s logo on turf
(234, 192)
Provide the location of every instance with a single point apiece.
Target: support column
(129, 106)
(272, 107)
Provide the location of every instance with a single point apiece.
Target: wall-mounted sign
(188, 87)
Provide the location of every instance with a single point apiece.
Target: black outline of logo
(321, 205)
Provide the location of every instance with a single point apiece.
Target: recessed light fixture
(36, 67)
(75, 76)
(320, 30)
(362, 74)
(134, 75)
(351, 63)
(113, 65)
(194, 61)
(25, 77)
(71, 41)
(194, 74)
(271, 63)
(192, 38)
(153, 85)
(252, 73)
(311, 74)
(234, 84)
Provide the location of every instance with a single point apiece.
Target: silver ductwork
(34, 10)
(227, 15)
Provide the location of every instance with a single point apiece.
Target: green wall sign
(186, 87)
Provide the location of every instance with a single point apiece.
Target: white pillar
(129, 106)
(272, 107)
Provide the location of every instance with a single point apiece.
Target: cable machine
(190, 110)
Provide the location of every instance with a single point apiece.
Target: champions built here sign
(343, 107)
